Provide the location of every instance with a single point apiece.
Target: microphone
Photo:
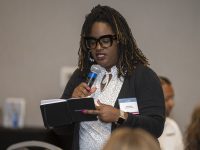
(95, 70)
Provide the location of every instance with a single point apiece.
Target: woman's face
(105, 53)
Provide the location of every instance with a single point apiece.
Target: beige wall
(38, 37)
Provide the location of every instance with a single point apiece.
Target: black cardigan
(145, 86)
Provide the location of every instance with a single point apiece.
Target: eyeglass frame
(98, 40)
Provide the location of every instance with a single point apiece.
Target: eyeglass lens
(104, 41)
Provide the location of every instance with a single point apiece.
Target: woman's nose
(99, 47)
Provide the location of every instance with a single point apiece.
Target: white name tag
(129, 105)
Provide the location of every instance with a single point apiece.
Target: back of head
(131, 139)
(164, 80)
(193, 131)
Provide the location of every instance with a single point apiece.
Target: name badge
(129, 105)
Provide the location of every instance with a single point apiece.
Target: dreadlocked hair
(129, 53)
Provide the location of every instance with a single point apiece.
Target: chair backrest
(24, 145)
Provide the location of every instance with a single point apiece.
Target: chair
(27, 144)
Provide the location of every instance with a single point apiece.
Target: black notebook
(60, 112)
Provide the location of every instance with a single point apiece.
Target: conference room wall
(39, 37)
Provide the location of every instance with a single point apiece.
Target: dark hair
(193, 132)
(164, 80)
(129, 54)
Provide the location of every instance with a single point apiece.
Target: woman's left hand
(106, 113)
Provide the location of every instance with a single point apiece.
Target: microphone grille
(95, 68)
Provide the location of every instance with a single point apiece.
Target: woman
(107, 41)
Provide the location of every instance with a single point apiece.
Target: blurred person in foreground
(131, 139)
(171, 138)
(124, 80)
(192, 141)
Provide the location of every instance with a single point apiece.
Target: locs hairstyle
(129, 54)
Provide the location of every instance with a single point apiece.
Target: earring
(89, 57)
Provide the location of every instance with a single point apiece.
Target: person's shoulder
(78, 71)
(143, 70)
(172, 122)
(77, 74)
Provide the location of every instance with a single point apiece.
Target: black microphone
(95, 70)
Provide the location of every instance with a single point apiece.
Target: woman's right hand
(82, 90)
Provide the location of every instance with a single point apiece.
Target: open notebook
(60, 112)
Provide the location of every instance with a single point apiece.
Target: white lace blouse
(94, 134)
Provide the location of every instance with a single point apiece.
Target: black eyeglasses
(105, 41)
